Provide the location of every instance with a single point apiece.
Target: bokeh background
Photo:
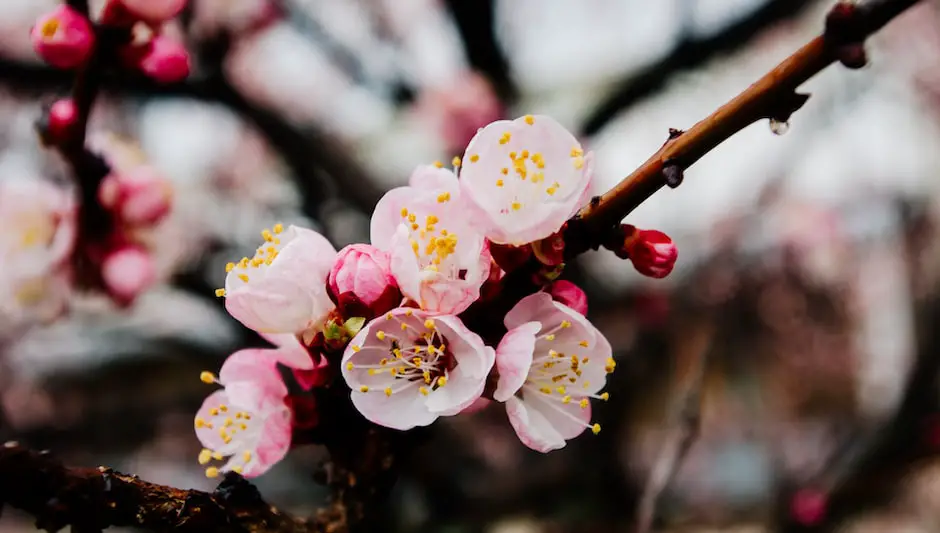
(808, 270)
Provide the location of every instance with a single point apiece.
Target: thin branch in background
(685, 426)
(689, 53)
(476, 22)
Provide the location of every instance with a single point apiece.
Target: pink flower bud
(139, 197)
(808, 507)
(363, 271)
(63, 38)
(162, 59)
(127, 272)
(570, 294)
(60, 119)
(152, 11)
(653, 253)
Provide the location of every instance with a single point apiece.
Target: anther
(438, 164)
(207, 377)
(455, 161)
(212, 472)
(364, 388)
(474, 158)
(529, 119)
(596, 428)
(220, 293)
(205, 456)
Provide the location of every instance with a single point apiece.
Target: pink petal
(429, 178)
(571, 295)
(257, 367)
(209, 437)
(513, 359)
(478, 405)
(270, 306)
(532, 428)
(568, 420)
(535, 307)
(273, 445)
(386, 217)
(403, 410)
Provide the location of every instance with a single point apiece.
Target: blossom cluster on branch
(397, 319)
(96, 234)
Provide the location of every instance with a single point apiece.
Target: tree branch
(685, 427)
(91, 499)
(772, 97)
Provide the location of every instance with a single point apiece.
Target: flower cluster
(65, 38)
(394, 317)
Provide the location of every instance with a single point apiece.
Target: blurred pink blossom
(127, 272)
(63, 38)
(140, 196)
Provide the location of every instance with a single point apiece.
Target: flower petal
(513, 359)
(273, 444)
(532, 428)
(403, 410)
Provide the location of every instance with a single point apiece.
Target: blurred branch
(92, 499)
(685, 427)
(476, 22)
(689, 53)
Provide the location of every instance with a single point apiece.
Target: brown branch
(773, 96)
(684, 429)
(92, 499)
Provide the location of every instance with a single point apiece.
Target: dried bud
(127, 272)
(361, 273)
(570, 294)
(161, 59)
(141, 196)
(63, 38)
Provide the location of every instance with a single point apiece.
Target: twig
(91, 499)
(773, 97)
(685, 427)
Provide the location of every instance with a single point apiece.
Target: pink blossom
(808, 507)
(652, 252)
(551, 361)
(62, 116)
(162, 59)
(39, 228)
(570, 294)
(127, 272)
(152, 11)
(459, 110)
(249, 420)
(282, 289)
(364, 272)
(408, 368)
(523, 179)
(141, 196)
(63, 38)
(438, 259)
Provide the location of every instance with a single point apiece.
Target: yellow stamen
(220, 293)
(529, 119)
(207, 377)
(212, 472)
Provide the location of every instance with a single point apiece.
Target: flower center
(432, 246)
(418, 356)
(239, 432)
(555, 377)
(50, 28)
(264, 256)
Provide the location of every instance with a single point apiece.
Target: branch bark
(92, 499)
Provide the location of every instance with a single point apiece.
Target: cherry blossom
(140, 195)
(249, 420)
(363, 273)
(61, 117)
(127, 272)
(161, 59)
(522, 179)
(282, 289)
(570, 294)
(152, 11)
(550, 363)
(63, 38)
(39, 228)
(438, 259)
(652, 252)
(407, 368)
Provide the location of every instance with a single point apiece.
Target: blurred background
(807, 282)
